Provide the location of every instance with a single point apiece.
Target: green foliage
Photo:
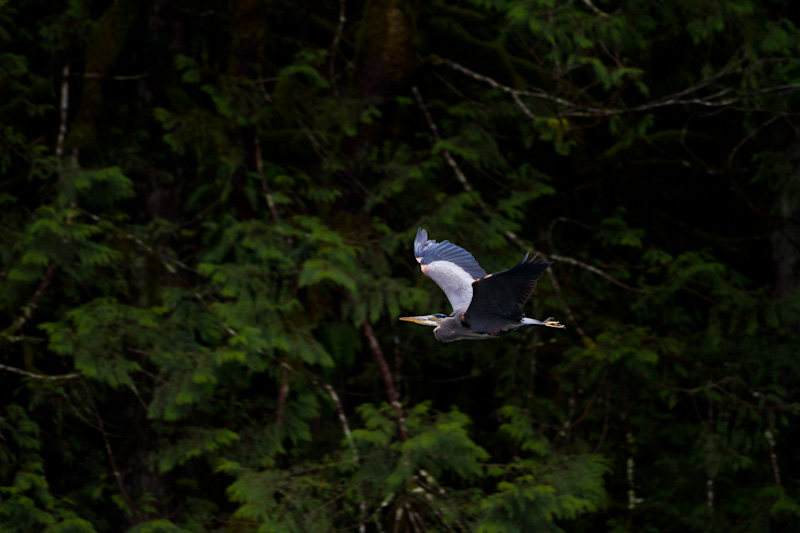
(207, 214)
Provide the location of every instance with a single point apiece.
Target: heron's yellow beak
(427, 320)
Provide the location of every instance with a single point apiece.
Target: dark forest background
(207, 212)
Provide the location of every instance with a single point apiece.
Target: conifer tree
(207, 214)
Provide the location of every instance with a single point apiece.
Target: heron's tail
(549, 323)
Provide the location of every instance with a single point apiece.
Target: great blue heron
(485, 306)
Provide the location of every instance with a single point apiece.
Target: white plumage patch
(453, 280)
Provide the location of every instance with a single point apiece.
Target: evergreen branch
(25, 373)
(14, 149)
(210, 206)
(386, 374)
(166, 261)
(326, 504)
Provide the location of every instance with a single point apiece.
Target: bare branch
(594, 9)
(594, 270)
(773, 456)
(283, 394)
(30, 307)
(591, 401)
(605, 424)
(100, 76)
(435, 131)
(720, 99)
(273, 210)
(64, 111)
(335, 46)
(386, 374)
(47, 377)
(352, 444)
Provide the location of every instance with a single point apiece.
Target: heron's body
(485, 306)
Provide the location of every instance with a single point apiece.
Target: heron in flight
(485, 306)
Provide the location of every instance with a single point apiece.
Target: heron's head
(426, 320)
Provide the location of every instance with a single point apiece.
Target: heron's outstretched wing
(450, 266)
(498, 298)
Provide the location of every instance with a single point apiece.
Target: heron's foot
(553, 323)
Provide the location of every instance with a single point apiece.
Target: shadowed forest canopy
(207, 212)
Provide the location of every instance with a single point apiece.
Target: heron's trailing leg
(552, 323)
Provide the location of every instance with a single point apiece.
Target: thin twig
(591, 401)
(594, 270)
(605, 424)
(748, 137)
(362, 504)
(166, 261)
(112, 461)
(435, 131)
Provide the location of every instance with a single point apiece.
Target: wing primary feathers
(427, 251)
(500, 297)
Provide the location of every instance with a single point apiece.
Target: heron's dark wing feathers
(427, 251)
(497, 299)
